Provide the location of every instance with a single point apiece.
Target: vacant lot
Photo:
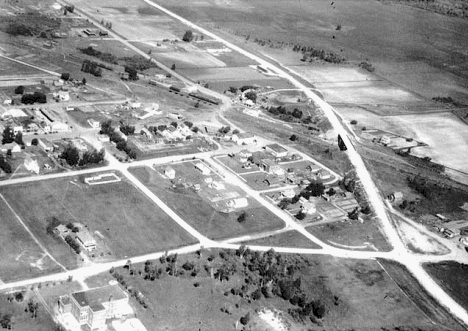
(357, 294)
(451, 276)
(130, 223)
(417, 294)
(20, 256)
(352, 235)
(284, 239)
(197, 211)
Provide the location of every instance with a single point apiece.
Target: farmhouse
(244, 138)
(91, 308)
(169, 172)
(277, 150)
(86, 240)
(203, 168)
(46, 145)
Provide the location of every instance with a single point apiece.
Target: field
(20, 256)
(129, 222)
(358, 295)
(352, 235)
(451, 276)
(195, 209)
(416, 293)
(284, 239)
(22, 321)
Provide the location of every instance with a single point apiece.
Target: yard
(284, 239)
(128, 222)
(196, 209)
(20, 256)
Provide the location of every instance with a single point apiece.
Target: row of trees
(29, 99)
(73, 243)
(310, 54)
(72, 156)
(121, 143)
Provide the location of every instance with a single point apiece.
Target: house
(62, 231)
(238, 203)
(324, 174)
(308, 208)
(272, 167)
(277, 150)
(46, 145)
(94, 124)
(59, 82)
(203, 168)
(217, 185)
(244, 138)
(313, 168)
(121, 134)
(103, 138)
(244, 155)
(13, 147)
(86, 240)
(395, 197)
(288, 194)
(62, 96)
(80, 145)
(169, 172)
(130, 324)
(175, 116)
(31, 165)
(385, 140)
(91, 308)
(145, 132)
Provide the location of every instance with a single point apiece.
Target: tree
(83, 81)
(8, 135)
(34, 142)
(331, 192)
(245, 319)
(251, 95)
(242, 217)
(127, 129)
(300, 216)
(4, 165)
(173, 67)
(195, 129)
(293, 138)
(106, 128)
(174, 124)
(65, 76)
(20, 90)
(316, 189)
(188, 36)
(188, 124)
(19, 138)
(354, 214)
(297, 113)
(71, 155)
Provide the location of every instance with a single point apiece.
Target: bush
(188, 36)
(19, 90)
(353, 122)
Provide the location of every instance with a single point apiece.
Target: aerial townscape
(216, 165)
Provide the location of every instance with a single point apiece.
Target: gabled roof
(94, 298)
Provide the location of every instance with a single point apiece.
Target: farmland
(209, 218)
(129, 223)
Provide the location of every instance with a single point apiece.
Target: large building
(91, 308)
(277, 150)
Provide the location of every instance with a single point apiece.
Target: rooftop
(277, 148)
(94, 298)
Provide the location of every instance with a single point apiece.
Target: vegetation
(73, 243)
(5, 165)
(19, 90)
(28, 25)
(106, 57)
(367, 66)
(33, 98)
(188, 36)
(91, 67)
(72, 156)
(311, 54)
(138, 63)
(121, 143)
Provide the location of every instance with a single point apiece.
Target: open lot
(284, 239)
(355, 293)
(196, 208)
(20, 256)
(451, 276)
(128, 221)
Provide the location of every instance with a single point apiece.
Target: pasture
(130, 223)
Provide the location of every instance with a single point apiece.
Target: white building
(169, 172)
(244, 138)
(238, 203)
(31, 165)
(203, 168)
(277, 150)
(59, 127)
(94, 124)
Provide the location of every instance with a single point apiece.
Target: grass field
(358, 295)
(22, 321)
(285, 239)
(352, 235)
(451, 276)
(130, 223)
(20, 256)
(198, 212)
(416, 293)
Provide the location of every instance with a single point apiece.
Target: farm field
(352, 235)
(129, 223)
(284, 239)
(451, 276)
(20, 256)
(195, 209)
(352, 292)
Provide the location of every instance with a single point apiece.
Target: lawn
(451, 276)
(284, 239)
(195, 209)
(357, 295)
(235, 165)
(128, 221)
(352, 235)
(20, 256)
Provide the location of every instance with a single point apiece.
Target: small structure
(46, 145)
(277, 150)
(175, 116)
(272, 167)
(130, 324)
(94, 124)
(324, 174)
(59, 127)
(86, 240)
(237, 203)
(217, 185)
(203, 168)
(385, 140)
(13, 147)
(288, 194)
(147, 133)
(121, 134)
(313, 168)
(31, 165)
(169, 172)
(308, 208)
(103, 138)
(244, 138)
(395, 197)
(244, 155)
(91, 308)
(62, 231)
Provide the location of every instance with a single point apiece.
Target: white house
(86, 240)
(244, 138)
(308, 208)
(31, 165)
(169, 172)
(203, 168)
